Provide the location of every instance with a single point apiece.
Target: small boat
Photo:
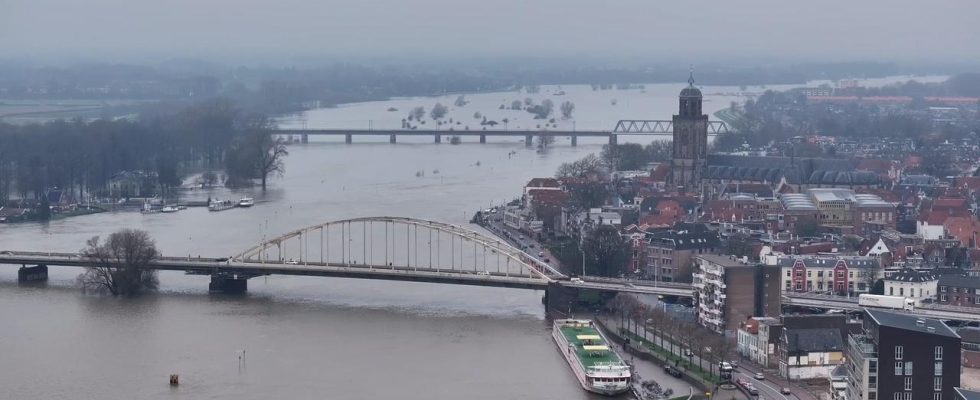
(169, 209)
(246, 202)
(221, 205)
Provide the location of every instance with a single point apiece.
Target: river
(303, 337)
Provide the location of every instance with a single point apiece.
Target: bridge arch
(398, 243)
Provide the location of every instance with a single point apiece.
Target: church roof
(690, 90)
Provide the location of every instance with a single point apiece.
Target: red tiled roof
(962, 228)
(659, 174)
(875, 165)
(543, 182)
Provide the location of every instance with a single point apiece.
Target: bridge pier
(559, 298)
(483, 138)
(349, 138)
(304, 138)
(391, 139)
(613, 139)
(438, 138)
(228, 284)
(574, 141)
(37, 273)
(528, 140)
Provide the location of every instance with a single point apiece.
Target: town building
(669, 251)
(809, 353)
(915, 284)
(730, 290)
(757, 340)
(959, 290)
(690, 139)
(901, 356)
(823, 273)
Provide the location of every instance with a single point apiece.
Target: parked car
(672, 371)
(540, 254)
(688, 353)
(576, 280)
(785, 390)
(759, 376)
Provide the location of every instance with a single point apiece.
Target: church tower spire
(690, 145)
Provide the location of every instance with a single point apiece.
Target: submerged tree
(120, 264)
(257, 154)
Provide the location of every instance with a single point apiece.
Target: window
(938, 369)
(788, 274)
(898, 368)
(939, 353)
(908, 383)
(942, 289)
(873, 366)
(901, 291)
(908, 396)
(942, 297)
(891, 291)
(908, 368)
(937, 383)
(899, 351)
(937, 396)
(897, 396)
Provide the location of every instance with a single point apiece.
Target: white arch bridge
(387, 248)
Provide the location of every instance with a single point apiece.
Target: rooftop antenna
(690, 80)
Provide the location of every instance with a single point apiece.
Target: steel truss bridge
(386, 248)
(623, 127)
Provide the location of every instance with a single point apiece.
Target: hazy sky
(833, 30)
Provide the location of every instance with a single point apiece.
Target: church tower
(690, 147)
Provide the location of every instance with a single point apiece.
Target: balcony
(860, 345)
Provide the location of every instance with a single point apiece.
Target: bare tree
(438, 111)
(567, 108)
(120, 264)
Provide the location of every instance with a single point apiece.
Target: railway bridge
(623, 127)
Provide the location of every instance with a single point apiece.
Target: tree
(588, 194)
(567, 108)
(659, 151)
(586, 165)
(438, 111)
(417, 113)
(515, 105)
(120, 264)
(606, 253)
(545, 140)
(624, 157)
(807, 227)
(256, 154)
(460, 101)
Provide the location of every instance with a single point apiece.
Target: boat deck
(588, 358)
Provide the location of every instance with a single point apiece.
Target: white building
(757, 339)
(919, 285)
(827, 274)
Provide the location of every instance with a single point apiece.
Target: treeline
(277, 90)
(81, 158)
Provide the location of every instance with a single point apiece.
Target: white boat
(221, 205)
(596, 366)
(169, 209)
(246, 202)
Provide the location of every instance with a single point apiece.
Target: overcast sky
(832, 30)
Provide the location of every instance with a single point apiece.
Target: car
(734, 364)
(547, 260)
(688, 353)
(576, 280)
(752, 390)
(672, 371)
(759, 376)
(221, 259)
(483, 273)
(785, 390)
(292, 262)
(540, 254)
